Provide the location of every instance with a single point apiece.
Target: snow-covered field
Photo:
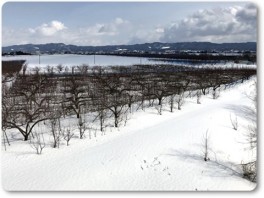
(73, 60)
(152, 152)
(103, 60)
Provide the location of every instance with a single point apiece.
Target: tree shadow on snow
(212, 167)
(243, 111)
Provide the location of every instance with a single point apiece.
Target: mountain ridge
(145, 47)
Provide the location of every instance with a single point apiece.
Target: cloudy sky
(98, 23)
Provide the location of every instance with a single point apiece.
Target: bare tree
(179, 98)
(50, 69)
(66, 69)
(59, 68)
(198, 95)
(99, 100)
(252, 115)
(181, 87)
(102, 117)
(171, 102)
(24, 69)
(115, 100)
(5, 137)
(67, 134)
(206, 147)
(27, 103)
(200, 77)
(139, 85)
(6, 109)
(81, 126)
(250, 168)
(83, 69)
(54, 122)
(38, 142)
(75, 94)
(36, 70)
(234, 122)
(118, 109)
(159, 108)
(215, 82)
(161, 87)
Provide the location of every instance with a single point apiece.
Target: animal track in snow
(155, 165)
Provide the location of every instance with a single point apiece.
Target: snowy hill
(156, 46)
(152, 152)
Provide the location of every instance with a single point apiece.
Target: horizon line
(131, 44)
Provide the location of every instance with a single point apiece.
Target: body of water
(104, 60)
(73, 60)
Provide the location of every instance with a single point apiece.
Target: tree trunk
(159, 100)
(203, 91)
(101, 121)
(214, 93)
(116, 120)
(26, 137)
(179, 106)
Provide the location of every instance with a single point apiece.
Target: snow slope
(152, 152)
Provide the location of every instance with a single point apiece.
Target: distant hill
(146, 47)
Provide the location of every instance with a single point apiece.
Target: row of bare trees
(107, 92)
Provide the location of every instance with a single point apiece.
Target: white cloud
(233, 24)
(146, 34)
(159, 30)
(113, 32)
(49, 29)
(108, 33)
(112, 28)
(119, 21)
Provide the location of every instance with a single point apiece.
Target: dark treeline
(15, 53)
(187, 56)
(108, 92)
(11, 68)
